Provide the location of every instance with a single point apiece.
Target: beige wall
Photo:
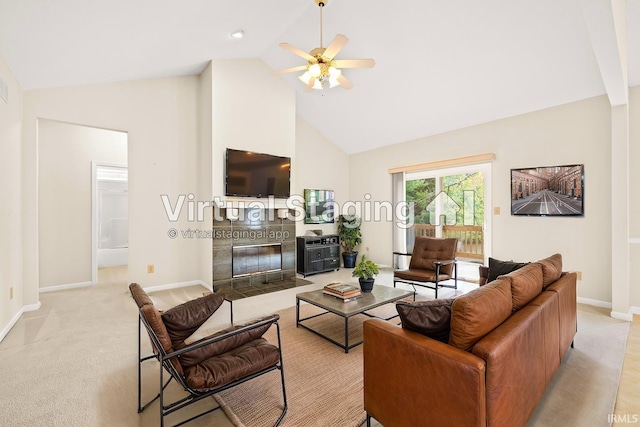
(11, 211)
(65, 153)
(320, 165)
(252, 110)
(205, 176)
(634, 195)
(160, 117)
(574, 133)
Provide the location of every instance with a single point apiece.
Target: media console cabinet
(317, 254)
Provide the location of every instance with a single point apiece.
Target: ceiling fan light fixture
(304, 78)
(334, 72)
(321, 64)
(315, 70)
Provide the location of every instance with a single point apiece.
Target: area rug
(323, 383)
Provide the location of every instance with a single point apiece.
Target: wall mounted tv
(548, 191)
(250, 174)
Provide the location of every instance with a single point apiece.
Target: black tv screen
(250, 174)
(548, 191)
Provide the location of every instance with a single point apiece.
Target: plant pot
(366, 285)
(349, 259)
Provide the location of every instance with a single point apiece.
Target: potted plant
(366, 271)
(350, 237)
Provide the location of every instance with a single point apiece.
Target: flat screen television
(548, 191)
(250, 174)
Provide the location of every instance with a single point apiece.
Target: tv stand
(317, 254)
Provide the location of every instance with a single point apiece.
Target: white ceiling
(440, 65)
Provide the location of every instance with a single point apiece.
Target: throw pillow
(498, 268)
(184, 319)
(429, 318)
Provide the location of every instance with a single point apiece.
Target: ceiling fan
(322, 67)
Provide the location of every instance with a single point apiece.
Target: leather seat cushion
(428, 250)
(228, 367)
(477, 313)
(223, 346)
(416, 275)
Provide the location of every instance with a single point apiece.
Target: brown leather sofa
(507, 339)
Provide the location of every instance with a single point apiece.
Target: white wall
(252, 110)
(320, 165)
(65, 153)
(634, 194)
(205, 175)
(160, 117)
(574, 133)
(11, 212)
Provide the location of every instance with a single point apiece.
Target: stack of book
(344, 291)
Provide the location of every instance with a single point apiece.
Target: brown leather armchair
(433, 261)
(209, 365)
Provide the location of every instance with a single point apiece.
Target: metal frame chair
(166, 362)
(432, 262)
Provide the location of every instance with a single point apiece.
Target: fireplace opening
(253, 259)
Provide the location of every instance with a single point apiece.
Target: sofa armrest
(483, 270)
(404, 371)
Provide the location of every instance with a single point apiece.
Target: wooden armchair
(207, 366)
(433, 261)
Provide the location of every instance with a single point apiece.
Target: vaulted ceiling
(440, 65)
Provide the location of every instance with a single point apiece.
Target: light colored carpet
(73, 363)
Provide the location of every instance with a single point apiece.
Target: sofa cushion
(551, 269)
(498, 268)
(477, 313)
(429, 318)
(526, 284)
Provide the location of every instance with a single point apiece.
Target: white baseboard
(176, 286)
(63, 287)
(14, 319)
(622, 316)
(594, 302)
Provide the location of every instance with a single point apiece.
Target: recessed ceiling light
(237, 34)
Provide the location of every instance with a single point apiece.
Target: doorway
(110, 218)
(66, 153)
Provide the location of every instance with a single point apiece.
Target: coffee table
(380, 295)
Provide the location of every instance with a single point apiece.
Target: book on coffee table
(344, 291)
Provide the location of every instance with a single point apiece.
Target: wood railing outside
(470, 238)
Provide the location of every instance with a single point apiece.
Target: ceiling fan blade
(344, 82)
(336, 45)
(309, 85)
(296, 51)
(291, 70)
(355, 63)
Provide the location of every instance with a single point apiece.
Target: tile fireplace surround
(254, 227)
